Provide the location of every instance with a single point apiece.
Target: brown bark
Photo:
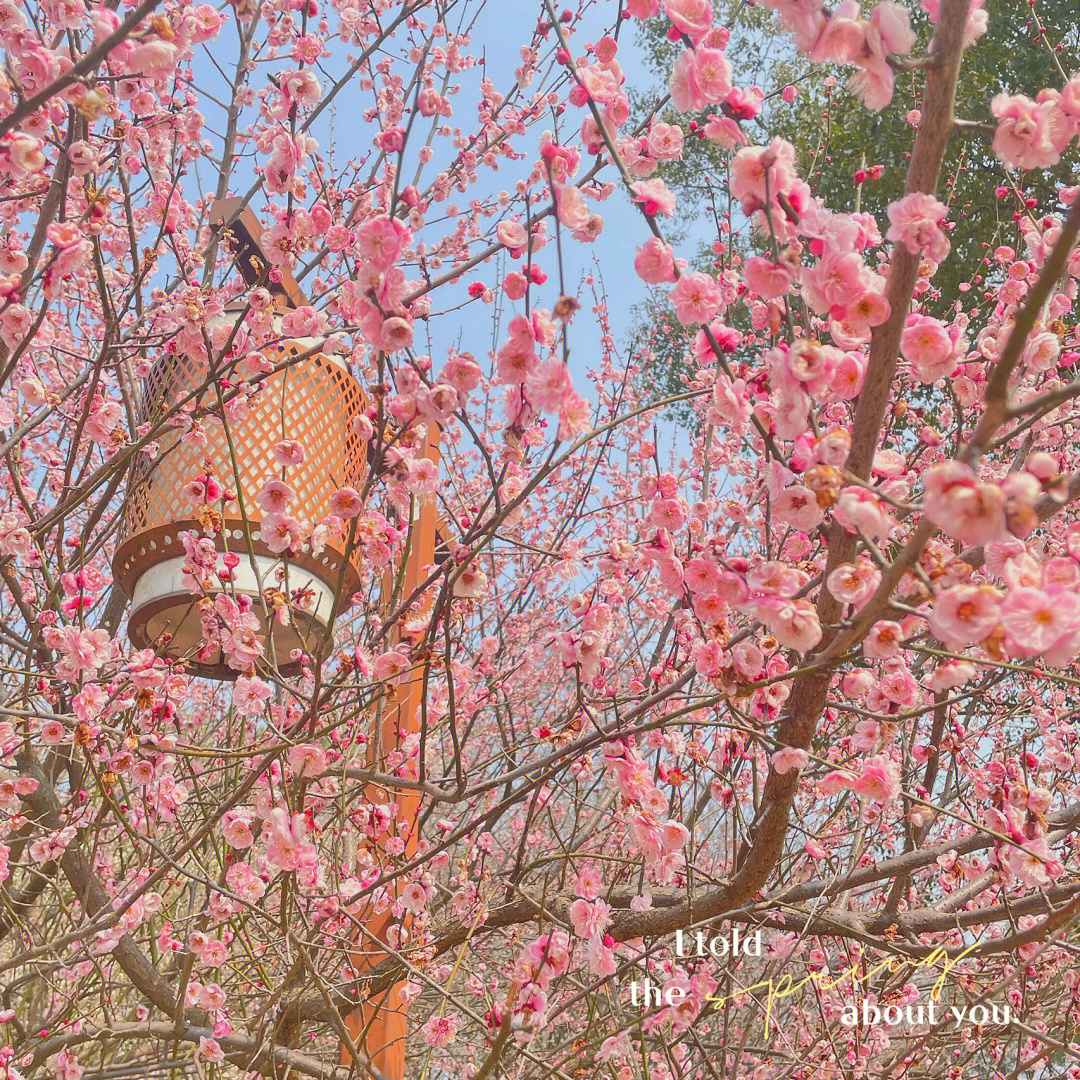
(808, 692)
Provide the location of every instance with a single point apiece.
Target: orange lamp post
(378, 1027)
(314, 401)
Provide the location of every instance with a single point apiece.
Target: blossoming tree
(810, 673)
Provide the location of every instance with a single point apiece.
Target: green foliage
(1025, 49)
(835, 135)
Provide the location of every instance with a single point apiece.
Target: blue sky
(501, 27)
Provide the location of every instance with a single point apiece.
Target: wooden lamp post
(313, 401)
(378, 1027)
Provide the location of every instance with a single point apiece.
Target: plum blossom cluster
(842, 36)
(1033, 134)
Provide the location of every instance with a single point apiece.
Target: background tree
(1026, 48)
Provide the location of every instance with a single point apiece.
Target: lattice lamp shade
(312, 401)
